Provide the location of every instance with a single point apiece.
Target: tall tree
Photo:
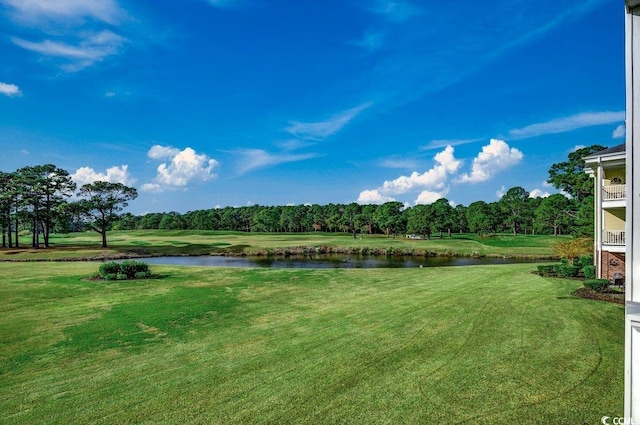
(420, 220)
(443, 216)
(479, 217)
(514, 205)
(569, 176)
(7, 200)
(57, 187)
(101, 203)
(389, 217)
(554, 212)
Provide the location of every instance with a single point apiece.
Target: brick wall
(612, 262)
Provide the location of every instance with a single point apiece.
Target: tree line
(515, 212)
(43, 199)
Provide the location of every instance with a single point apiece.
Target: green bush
(128, 269)
(108, 269)
(598, 285)
(585, 260)
(566, 270)
(546, 270)
(589, 271)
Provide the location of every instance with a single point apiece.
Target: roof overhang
(632, 4)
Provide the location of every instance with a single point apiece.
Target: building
(608, 169)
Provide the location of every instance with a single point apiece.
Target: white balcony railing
(614, 192)
(613, 237)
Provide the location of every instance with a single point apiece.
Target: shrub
(130, 268)
(598, 285)
(589, 271)
(585, 260)
(126, 270)
(108, 269)
(546, 270)
(566, 270)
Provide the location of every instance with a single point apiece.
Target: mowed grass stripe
(485, 344)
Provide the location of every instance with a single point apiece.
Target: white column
(632, 305)
(599, 217)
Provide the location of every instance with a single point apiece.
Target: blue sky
(206, 103)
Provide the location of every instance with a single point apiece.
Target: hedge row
(582, 267)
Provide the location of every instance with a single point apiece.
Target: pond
(332, 261)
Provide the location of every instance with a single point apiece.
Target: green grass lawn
(186, 242)
(481, 345)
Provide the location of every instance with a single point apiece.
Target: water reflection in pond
(332, 261)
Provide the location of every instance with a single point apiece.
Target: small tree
(574, 248)
(101, 204)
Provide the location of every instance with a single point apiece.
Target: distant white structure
(632, 304)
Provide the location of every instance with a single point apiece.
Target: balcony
(613, 237)
(614, 192)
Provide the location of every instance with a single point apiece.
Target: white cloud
(85, 175)
(373, 197)
(495, 156)
(538, 193)
(500, 192)
(619, 132)
(10, 90)
(92, 48)
(38, 11)
(562, 125)
(258, 158)
(162, 152)
(185, 166)
(322, 129)
(434, 179)
(576, 147)
(429, 197)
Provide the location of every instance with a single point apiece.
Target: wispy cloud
(10, 90)
(399, 163)
(565, 124)
(371, 41)
(39, 12)
(441, 143)
(428, 55)
(78, 33)
(396, 10)
(90, 49)
(252, 159)
(322, 129)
